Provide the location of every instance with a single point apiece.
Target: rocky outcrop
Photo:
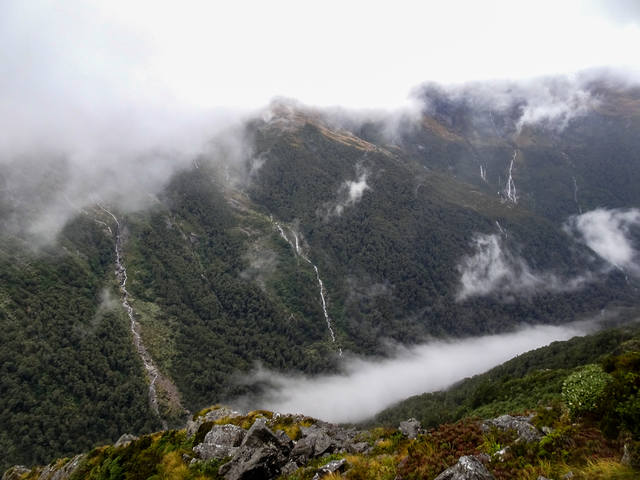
(213, 415)
(410, 428)
(522, 425)
(60, 470)
(467, 468)
(15, 473)
(319, 439)
(222, 441)
(125, 439)
(262, 454)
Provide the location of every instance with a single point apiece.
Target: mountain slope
(327, 236)
(551, 441)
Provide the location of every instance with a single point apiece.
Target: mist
(106, 101)
(610, 233)
(349, 193)
(494, 270)
(366, 386)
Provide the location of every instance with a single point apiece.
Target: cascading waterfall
(483, 173)
(121, 274)
(575, 194)
(510, 190)
(297, 251)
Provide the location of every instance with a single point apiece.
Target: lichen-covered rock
(220, 442)
(211, 416)
(410, 428)
(467, 468)
(359, 447)
(322, 438)
(259, 434)
(252, 463)
(125, 439)
(262, 454)
(331, 467)
(15, 473)
(314, 442)
(57, 471)
(522, 425)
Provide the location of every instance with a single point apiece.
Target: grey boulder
(220, 442)
(262, 454)
(467, 468)
(410, 428)
(522, 425)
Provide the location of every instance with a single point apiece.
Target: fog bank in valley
(366, 386)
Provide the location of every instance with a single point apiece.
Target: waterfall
(297, 251)
(510, 189)
(147, 361)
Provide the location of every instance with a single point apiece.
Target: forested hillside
(320, 236)
(568, 410)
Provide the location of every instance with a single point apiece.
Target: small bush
(582, 390)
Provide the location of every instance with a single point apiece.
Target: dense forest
(232, 263)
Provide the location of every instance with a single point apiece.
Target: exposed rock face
(410, 428)
(125, 439)
(322, 438)
(467, 468)
(221, 441)
(211, 416)
(50, 472)
(15, 473)
(522, 425)
(262, 454)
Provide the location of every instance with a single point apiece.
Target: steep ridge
(380, 236)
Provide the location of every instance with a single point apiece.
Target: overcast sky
(120, 77)
(241, 53)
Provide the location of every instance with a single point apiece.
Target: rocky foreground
(220, 443)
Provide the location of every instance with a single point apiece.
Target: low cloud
(505, 107)
(609, 233)
(493, 269)
(349, 193)
(366, 386)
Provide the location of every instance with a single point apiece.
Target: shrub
(582, 390)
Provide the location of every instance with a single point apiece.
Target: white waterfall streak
(483, 173)
(510, 190)
(297, 251)
(575, 194)
(147, 361)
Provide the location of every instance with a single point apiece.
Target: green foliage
(620, 407)
(69, 376)
(154, 456)
(187, 257)
(583, 390)
(523, 383)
